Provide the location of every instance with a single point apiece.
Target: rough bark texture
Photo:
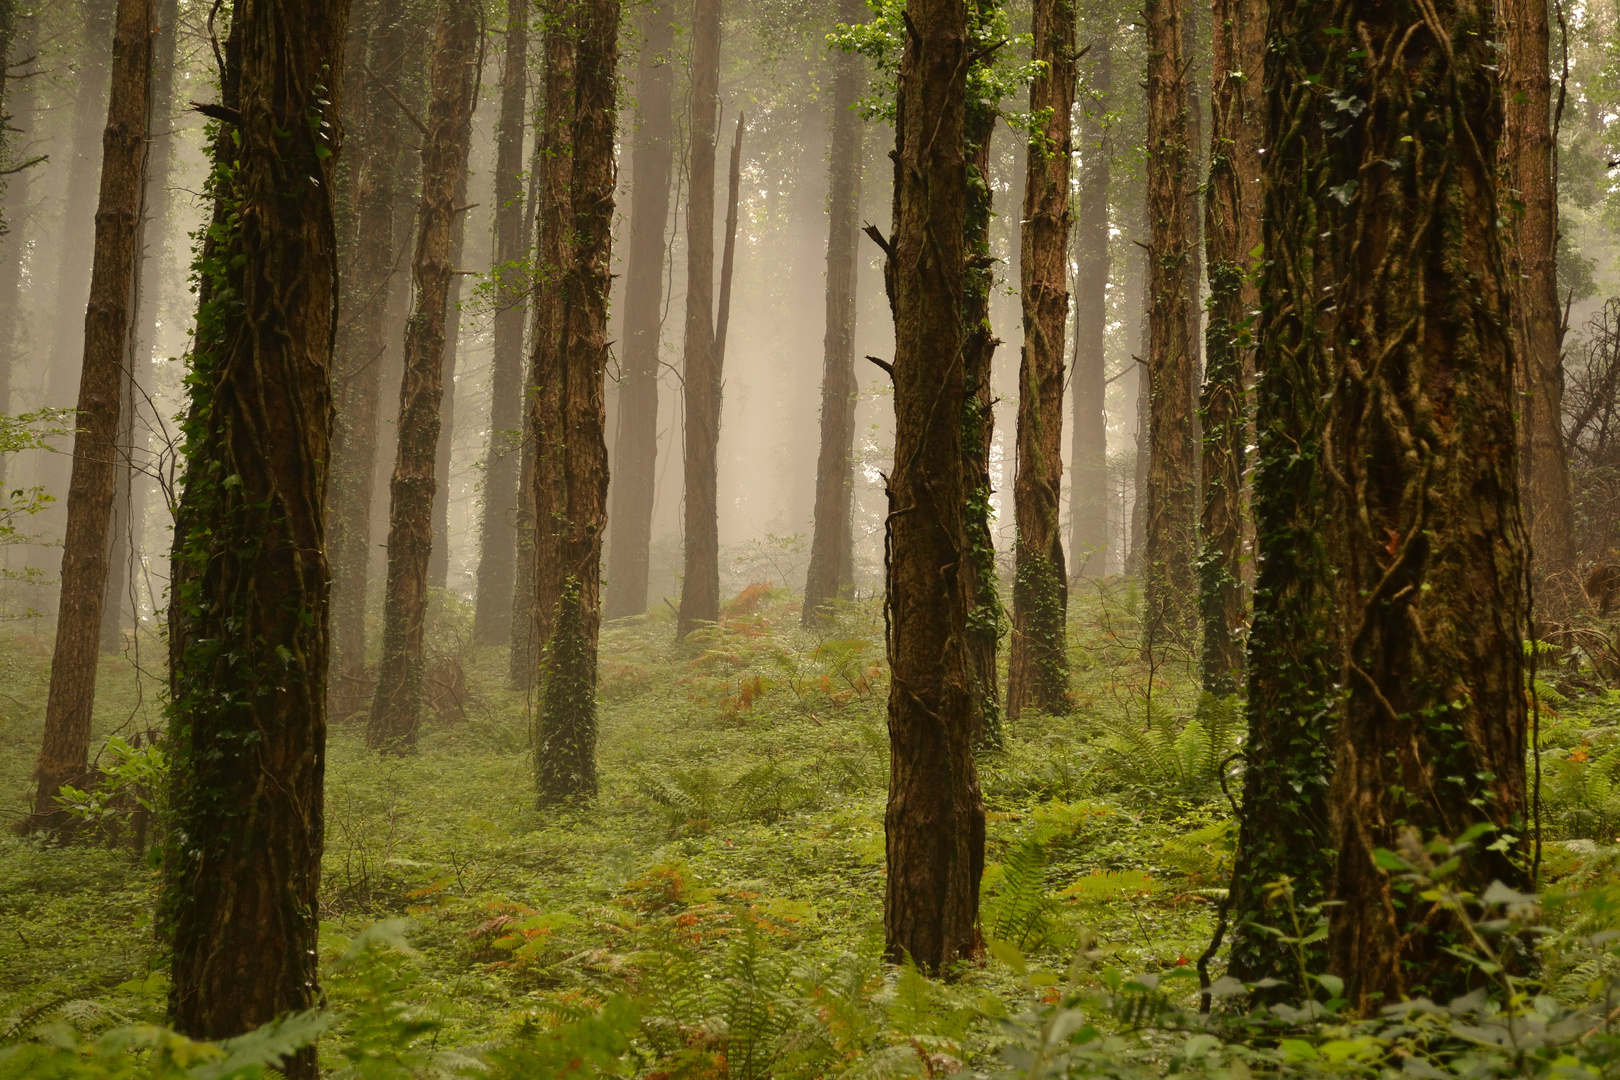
(64, 756)
(396, 710)
(1232, 209)
(540, 575)
(635, 455)
(565, 733)
(1038, 663)
(247, 720)
(831, 573)
(1089, 538)
(1172, 493)
(1531, 201)
(438, 573)
(492, 612)
(934, 822)
(378, 132)
(700, 582)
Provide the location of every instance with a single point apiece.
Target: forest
(809, 539)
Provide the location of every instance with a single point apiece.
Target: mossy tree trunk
(248, 631)
(1232, 209)
(378, 131)
(700, 582)
(1170, 536)
(1530, 202)
(565, 739)
(934, 822)
(635, 457)
(831, 573)
(64, 755)
(492, 611)
(396, 709)
(1038, 663)
(1089, 539)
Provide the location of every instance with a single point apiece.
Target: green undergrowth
(717, 909)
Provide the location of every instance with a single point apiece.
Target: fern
(1020, 911)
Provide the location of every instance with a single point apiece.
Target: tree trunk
(64, 757)
(1038, 663)
(497, 551)
(1172, 494)
(1089, 541)
(541, 514)
(247, 719)
(728, 258)
(1231, 231)
(831, 574)
(1531, 197)
(379, 132)
(934, 823)
(636, 444)
(986, 619)
(700, 581)
(396, 711)
(565, 739)
(438, 574)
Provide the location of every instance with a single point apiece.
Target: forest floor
(738, 835)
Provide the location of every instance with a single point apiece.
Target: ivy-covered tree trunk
(635, 456)
(1038, 663)
(700, 582)
(1169, 621)
(247, 718)
(831, 573)
(540, 579)
(492, 610)
(1530, 202)
(64, 755)
(565, 739)
(1232, 208)
(1429, 544)
(396, 710)
(1089, 539)
(934, 822)
(378, 131)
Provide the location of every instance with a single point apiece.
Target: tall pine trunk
(1038, 663)
(831, 573)
(64, 757)
(540, 571)
(497, 551)
(247, 719)
(636, 444)
(565, 738)
(934, 822)
(986, 620)
(438, 574)
(396, 710)
(379, 134)
(1531, 197)
(1172, 496)
(700, 582)
(1231, 232)
(1089, 540)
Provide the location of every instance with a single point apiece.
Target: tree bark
(1172, 495)
(438, 573)
(1089, 541)
(700, 581)
(986, 619)
(378, 130)
(1038, 662)
(831, 573)
(396, 710)
(540, 523)
(1531, 197)
(1232, 212)
(247, 719)
(492, 612)
(636, 443)
(64, 756)
(565, 739)
(934, 822)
